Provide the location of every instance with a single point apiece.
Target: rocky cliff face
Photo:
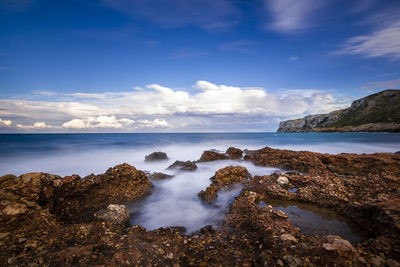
(378, 112)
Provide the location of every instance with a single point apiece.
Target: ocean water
(174, 201)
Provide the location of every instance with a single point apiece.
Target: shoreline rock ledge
(378, 112)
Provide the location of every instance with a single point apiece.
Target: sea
(174, 201)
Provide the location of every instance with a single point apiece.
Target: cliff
(378, 112)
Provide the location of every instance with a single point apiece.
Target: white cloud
(289, 16)
(294, 58)
(160, 107)
(110, 122)
(382, 42)
(5, 123)
(157, 123)
(36, 126)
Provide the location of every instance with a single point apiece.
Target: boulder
(336, 243)
(234, 153)
(288, 238)
(282, 180)
(183, 165)
(156, 156)
(116, 214)
(211, 156)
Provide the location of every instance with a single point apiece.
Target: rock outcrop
(378, 112)
(183, 165)
(224, 178)
(156, 156)
(47, 220)
(210, 155)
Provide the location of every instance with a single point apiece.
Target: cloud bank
(204, 106)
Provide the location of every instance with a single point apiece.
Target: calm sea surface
(66, 154)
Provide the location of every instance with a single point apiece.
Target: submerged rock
(159, 176)
(211, 156)
(155, 156)
(223, 178)
(234, 153)
(183, 165)
(114, 213)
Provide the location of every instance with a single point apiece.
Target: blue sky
(186, 65)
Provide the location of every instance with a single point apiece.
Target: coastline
(49, 220)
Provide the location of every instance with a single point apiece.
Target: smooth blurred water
(174, 201)
(82, 154)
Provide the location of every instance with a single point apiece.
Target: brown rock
(225, 177)
(156, 156)
(336, 243)
(234, 153)
(183, 165)
(211, 156)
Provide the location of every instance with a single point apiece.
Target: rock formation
(378, 112)
(156, 156)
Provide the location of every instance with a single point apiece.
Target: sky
(189, 65)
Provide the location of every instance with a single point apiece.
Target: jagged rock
(117, 214)
(392, 263)
(234, 153)
(288, 237)
(156, 156)
(336, 243)
(292, 261)
(15, 209)
(211, 156)
(159, 176)
(183, 165)
(397, 153)
(80, 200)
(223, 178)
(282, 180)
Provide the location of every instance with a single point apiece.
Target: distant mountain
(378, 112)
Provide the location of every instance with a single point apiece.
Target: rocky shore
(47, 220)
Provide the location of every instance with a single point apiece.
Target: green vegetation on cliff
(382, 107)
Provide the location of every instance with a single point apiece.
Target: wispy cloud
(239, 46)
(206, 14)
(384, 41)
(291, 16)
(294, 58)
(388, 84)
(158, 107)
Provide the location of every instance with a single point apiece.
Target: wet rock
(336, 243)
(117, 214)
(15, 209)
(377, 261)
(223, 178)
(288, 237)
(78, 201)
(159, 176)
(234, 153)
(211, 156)
(155, 156)
(292, 261)
(397, 153)
(392, 263)
(282, 180)
(183, 165)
